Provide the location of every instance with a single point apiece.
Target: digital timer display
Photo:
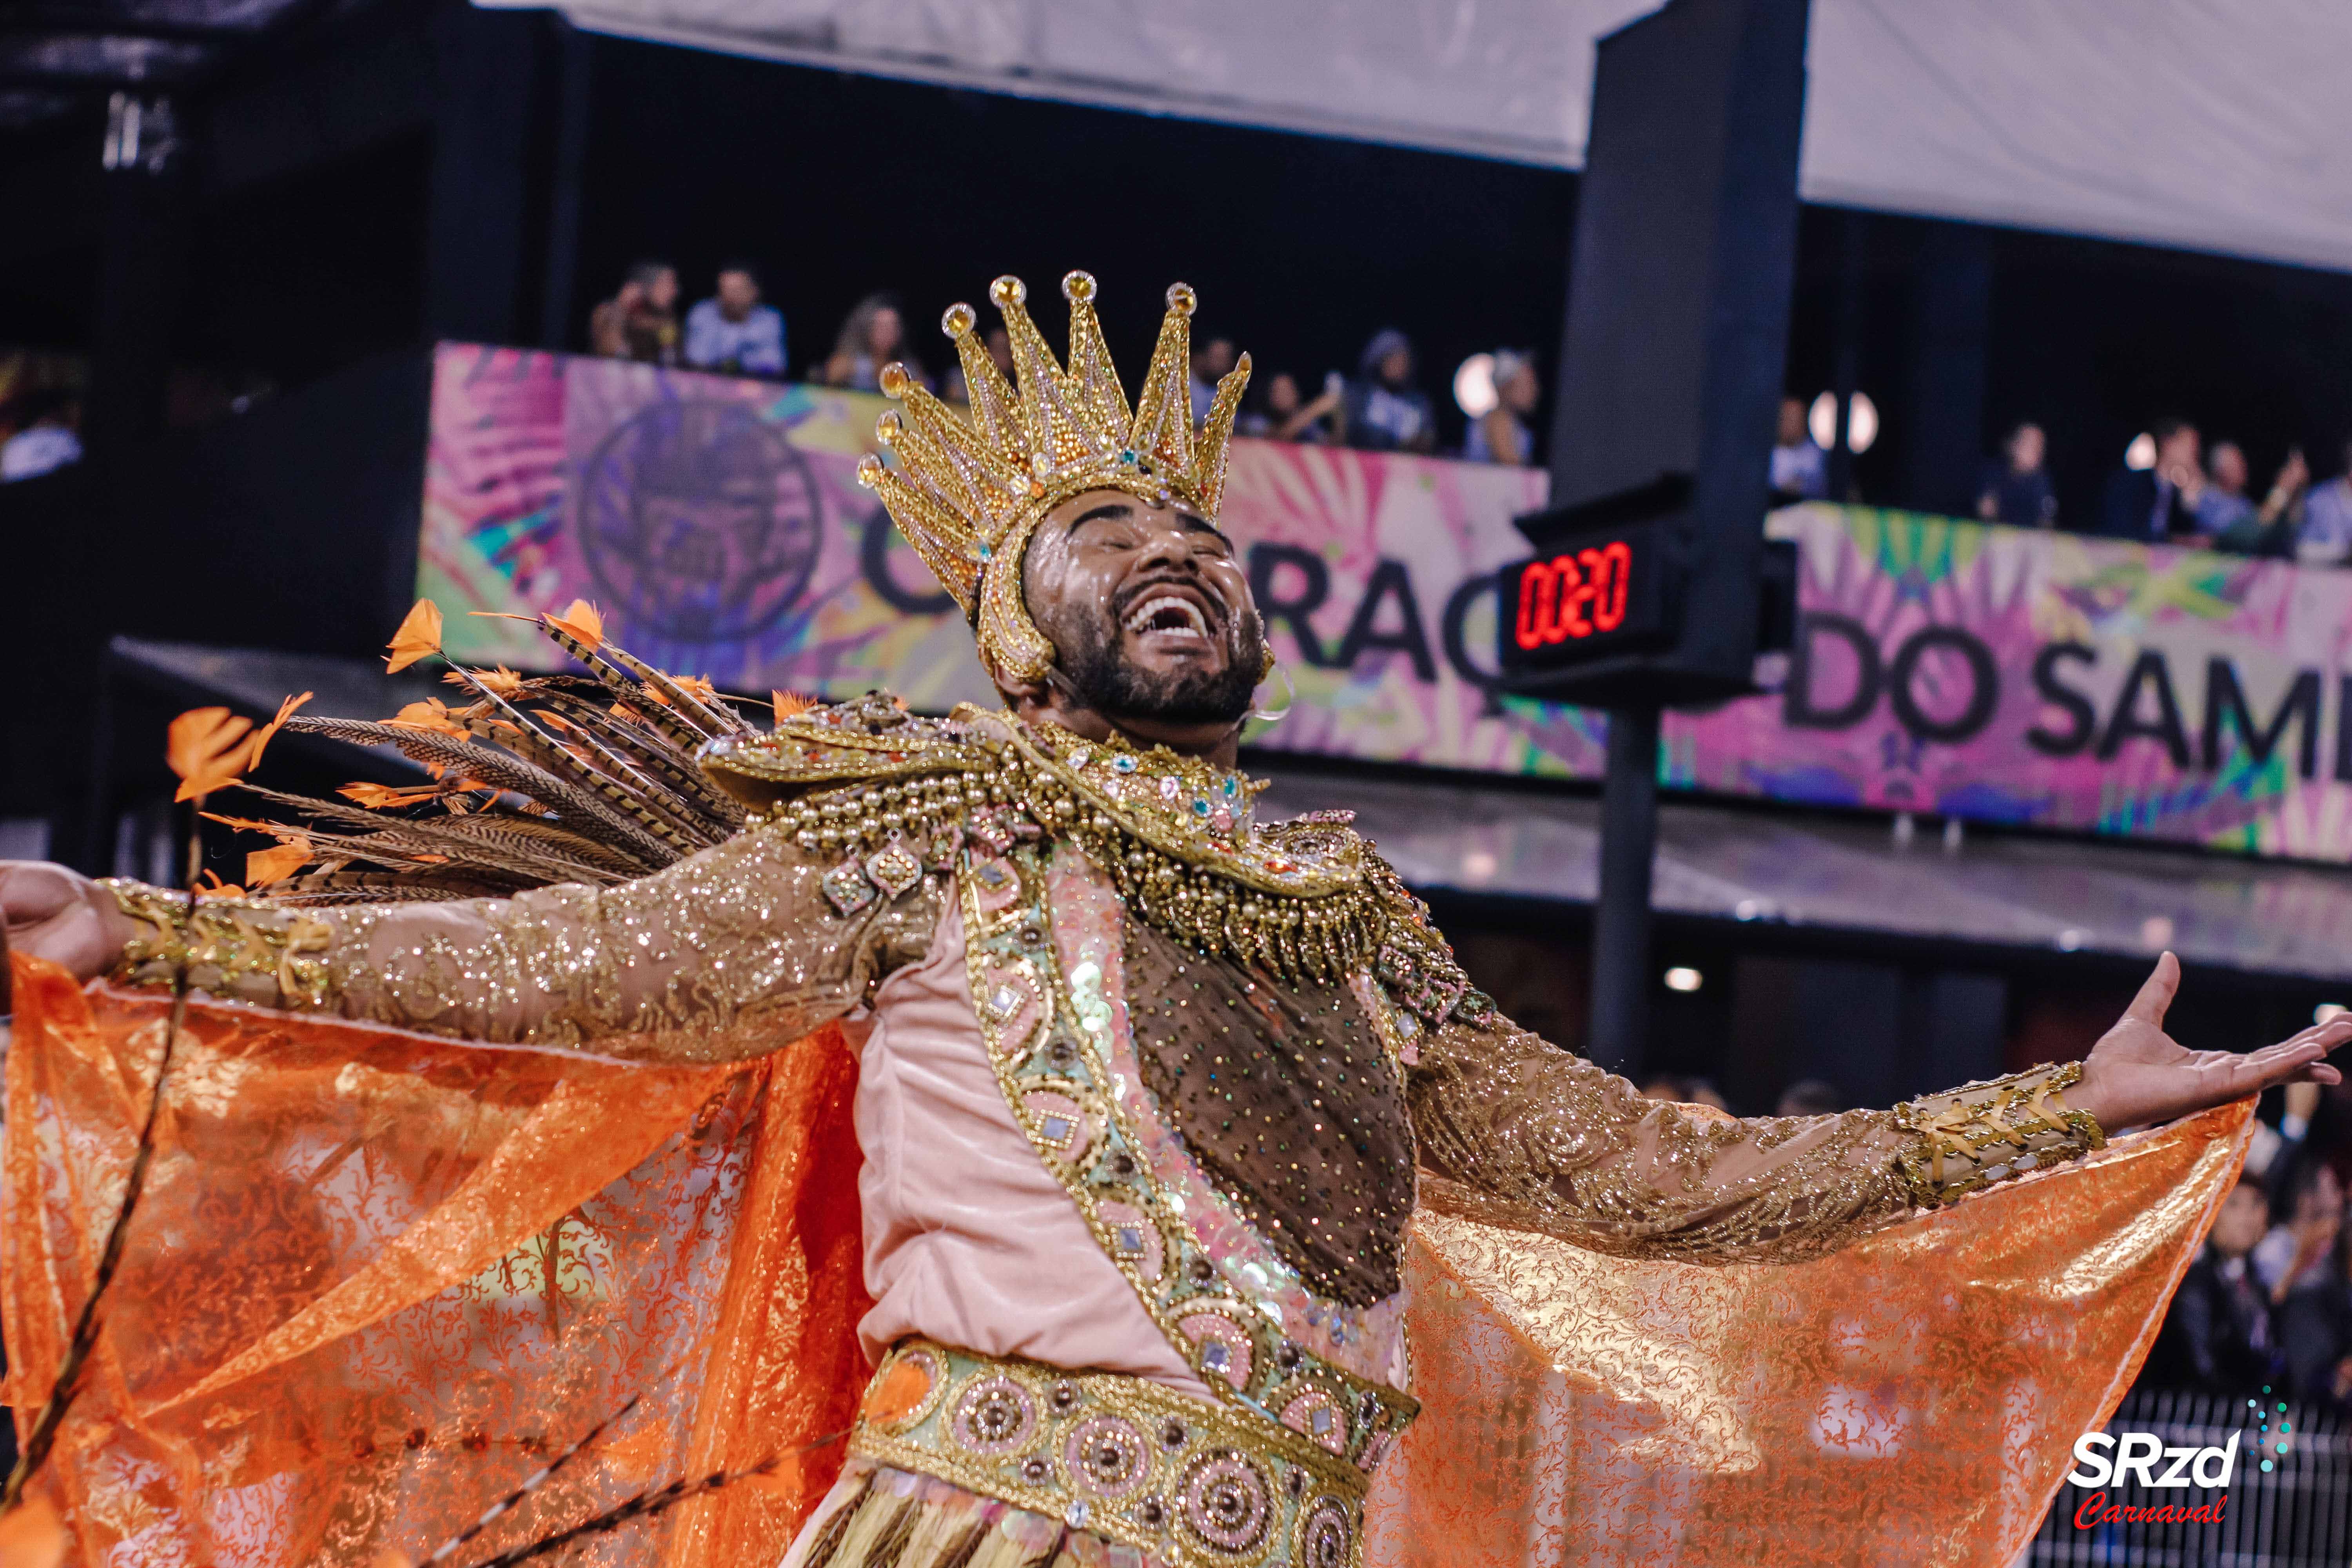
(1588, 597)
(1574, 594)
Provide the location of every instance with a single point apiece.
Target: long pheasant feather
(501, 770)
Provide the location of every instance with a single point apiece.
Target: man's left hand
(2138, 1075)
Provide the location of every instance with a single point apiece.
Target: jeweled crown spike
(967, 492)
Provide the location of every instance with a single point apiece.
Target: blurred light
(2156, 932)
(1480, 865)
(1474, 386)
(1862, 425)
(1821, 420)
(2070, 939)
(2141, 453)
(2326, 1010)
(1682, 978)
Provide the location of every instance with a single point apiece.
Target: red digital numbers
(1573, 596)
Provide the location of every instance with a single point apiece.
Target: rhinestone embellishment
(894, 870)
(848, 888)
(994, 1417)
(1108, 1456)
(1225, 1501)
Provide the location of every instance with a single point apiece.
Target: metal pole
(1620, 925)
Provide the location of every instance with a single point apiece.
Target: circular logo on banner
(699, 522)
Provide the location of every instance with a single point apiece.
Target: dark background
(308, 245)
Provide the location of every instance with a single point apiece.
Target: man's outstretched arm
(1580, 1152)
(727, 953)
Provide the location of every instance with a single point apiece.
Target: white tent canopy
(2220, 125)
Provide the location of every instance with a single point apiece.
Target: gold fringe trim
(895, 1519)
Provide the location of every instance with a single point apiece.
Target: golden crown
(968, 493)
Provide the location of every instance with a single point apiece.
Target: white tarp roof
(2221, 125)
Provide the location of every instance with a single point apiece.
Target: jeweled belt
(1190, 1483)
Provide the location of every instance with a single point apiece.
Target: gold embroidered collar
(1179, 841)
(864, 781)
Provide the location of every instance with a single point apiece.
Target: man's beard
(1112, 686)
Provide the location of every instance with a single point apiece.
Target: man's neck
(1218, 744)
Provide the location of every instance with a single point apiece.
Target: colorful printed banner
(1948, 668)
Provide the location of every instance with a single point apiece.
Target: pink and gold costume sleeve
(1578, 1154)
(729, 954)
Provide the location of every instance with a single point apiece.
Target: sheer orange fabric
(1911, 1399)
(378, 1278)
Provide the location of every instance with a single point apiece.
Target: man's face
(1215, 361)
(661, 293)
(2027, 448)
(1147, 608)
(1792, 422)
(2323, 1197)
(2230, 468)
(1396, 366)
(2180, 450)
(736, 294)
(2243, 1218)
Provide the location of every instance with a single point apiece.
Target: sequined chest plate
(1043, 936)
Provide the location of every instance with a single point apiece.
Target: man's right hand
(63, 916)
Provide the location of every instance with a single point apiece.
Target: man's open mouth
(1170, 612)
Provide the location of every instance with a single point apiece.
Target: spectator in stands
(2154, 504)
(2274, 1149)
(2315, 1334)
(1501, 435)
(872, 335)
(1281, 413)
(732, 331)
(2218, 1336)
(2325, 536)
(2016, 487)
(1800, 469)
(1811, 1096)
(1211, 362)
(1385, 411)
(2311, 1204)
(640, 322)
(2229, 519)
(44, 440)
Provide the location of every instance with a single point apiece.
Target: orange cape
(378, 1278)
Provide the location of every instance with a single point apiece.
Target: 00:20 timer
(1573, 596)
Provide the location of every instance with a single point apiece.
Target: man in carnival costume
(1149, 1093)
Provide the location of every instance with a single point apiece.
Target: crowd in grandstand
(2267, 1305)
(2171, 488)
(1382, 407)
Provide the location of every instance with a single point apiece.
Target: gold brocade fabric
(379, 1277)
(1912, 1399)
